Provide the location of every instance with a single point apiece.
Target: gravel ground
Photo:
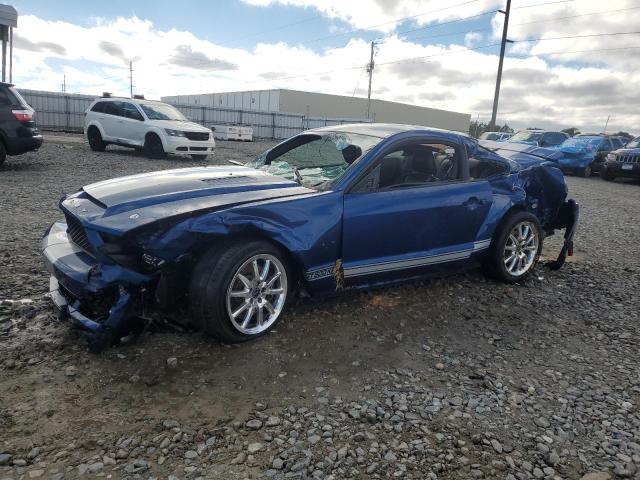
(452, 379)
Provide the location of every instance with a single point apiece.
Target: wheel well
(505, 217)
(151, 134)
(294, 264)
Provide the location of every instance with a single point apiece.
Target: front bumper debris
(567, 219)
(97, 298)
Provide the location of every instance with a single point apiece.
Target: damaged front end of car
(95, 293)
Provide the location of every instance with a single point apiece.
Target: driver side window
(413, 165)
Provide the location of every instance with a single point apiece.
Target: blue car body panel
(335, 237)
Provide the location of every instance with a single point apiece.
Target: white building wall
(332, 106)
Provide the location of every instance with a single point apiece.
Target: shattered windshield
(526, 137)
(583, 143)
(315, 159)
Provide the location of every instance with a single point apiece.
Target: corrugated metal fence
(65, 112)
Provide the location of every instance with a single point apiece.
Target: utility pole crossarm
(496, 96)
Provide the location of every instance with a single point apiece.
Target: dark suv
(623, 162)
(18, 131)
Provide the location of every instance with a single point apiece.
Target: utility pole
(370, 70)
(494, 113)
(64, 82)
(606, 124)
(131, 78)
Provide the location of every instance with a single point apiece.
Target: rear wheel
(239, 291)
(198, 157)
(515, 248)
(95, 140)
(153, 146)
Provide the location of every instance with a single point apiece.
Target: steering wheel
(445, 169)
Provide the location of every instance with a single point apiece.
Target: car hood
(576, 150)
(523, 154)
(181, 125)
(126, 203)
(627, 151)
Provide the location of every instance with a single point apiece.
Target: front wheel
(94, 137)
(3, 153)
(584, 172)
(606, 175)
(515, 248)
(238, 291)
(153, 146)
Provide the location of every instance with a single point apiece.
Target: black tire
(495, 260)
(199, 156)
(606, 175)
(95, 140)
(584, 172)
(153, 146)
(211, 279)
(3, 153)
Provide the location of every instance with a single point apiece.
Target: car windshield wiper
(297, 174)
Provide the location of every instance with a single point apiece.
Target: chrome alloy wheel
(521, 248)
(256, 294)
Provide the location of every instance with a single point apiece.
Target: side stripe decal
(324, 272)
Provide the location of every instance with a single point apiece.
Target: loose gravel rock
(455, 378)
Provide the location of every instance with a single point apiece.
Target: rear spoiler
(567, 219)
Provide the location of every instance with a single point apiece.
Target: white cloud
(542, 91)
(472, 38)
(383, 14)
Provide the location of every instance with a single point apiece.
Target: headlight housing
(174, 133)
(611, 157)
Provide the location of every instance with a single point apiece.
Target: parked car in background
(156, 128)
(342, 207)
(495, 136)
(585, 153)
(18, 130)
(541, 138)
(623, 162)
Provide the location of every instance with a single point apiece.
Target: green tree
(571, 131)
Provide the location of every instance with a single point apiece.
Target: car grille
(198, 136)
(629, 158)
(76, 232)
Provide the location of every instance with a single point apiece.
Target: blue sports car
(351, 206)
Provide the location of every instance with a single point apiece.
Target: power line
(564, 52)
(402, 19)
(274, 29)
(476, 30)
(575, 36)
(358, 82)
(488, 12)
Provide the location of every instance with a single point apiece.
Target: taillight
(23, 115)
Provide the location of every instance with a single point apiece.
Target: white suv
(154, 127)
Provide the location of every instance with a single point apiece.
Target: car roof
(382, 130)
(127, 99)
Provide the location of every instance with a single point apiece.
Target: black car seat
(422, 167)
(390, 171)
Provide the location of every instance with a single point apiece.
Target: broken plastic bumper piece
(568, 219)
(96, 297)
